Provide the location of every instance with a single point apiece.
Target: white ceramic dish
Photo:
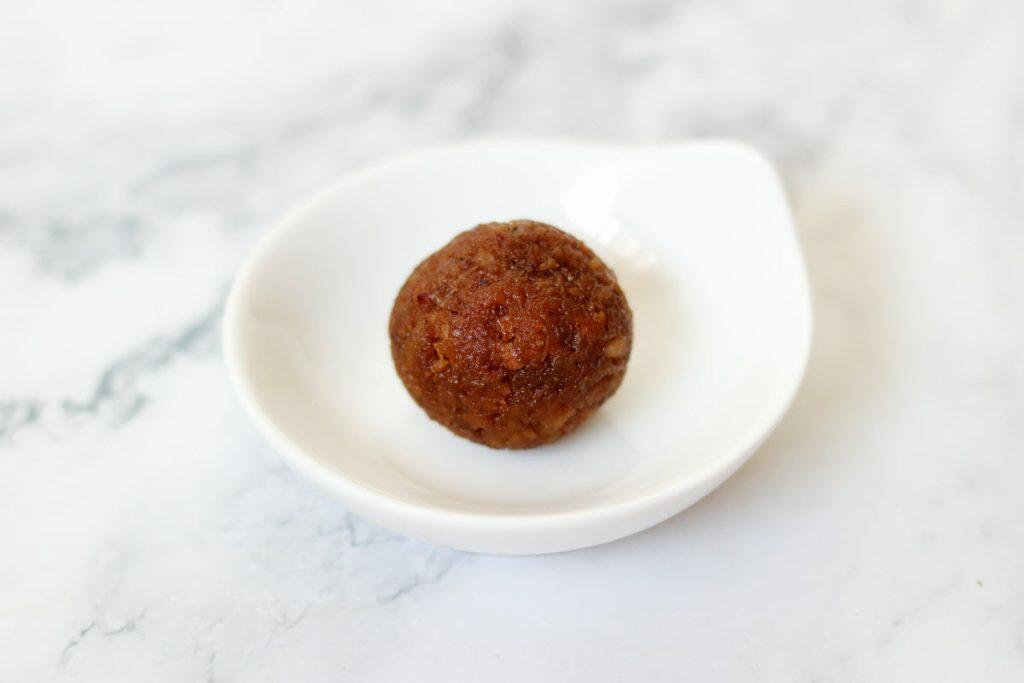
(702, 241)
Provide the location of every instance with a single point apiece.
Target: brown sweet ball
(512, 334)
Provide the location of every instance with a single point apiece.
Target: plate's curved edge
(362, 497)
(756, 436)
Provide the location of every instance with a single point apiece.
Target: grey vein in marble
(116, 396)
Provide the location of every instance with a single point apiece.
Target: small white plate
(702, 241)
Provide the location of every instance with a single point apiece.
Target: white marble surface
(146, 532)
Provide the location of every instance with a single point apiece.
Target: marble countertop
(148, 534)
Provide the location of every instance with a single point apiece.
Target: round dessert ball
(512, 334)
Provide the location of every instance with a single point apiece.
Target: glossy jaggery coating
(512, 334)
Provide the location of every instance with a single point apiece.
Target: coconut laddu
(512, 334)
